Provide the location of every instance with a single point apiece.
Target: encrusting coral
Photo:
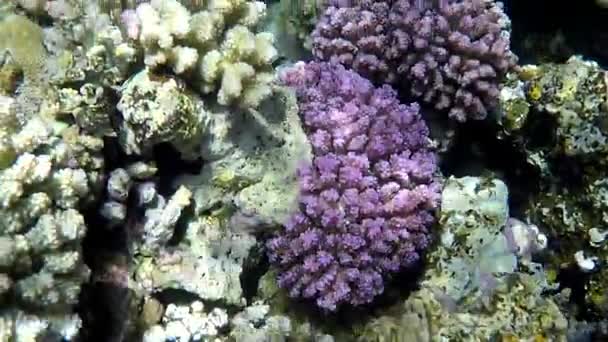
(159, 109)
(366, 199)
(449, 54)
(23, 40)
(214, 46)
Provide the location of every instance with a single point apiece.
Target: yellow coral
(529, 72)
(535, 91)
(224, 179)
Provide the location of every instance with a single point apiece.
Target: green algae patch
(23, 39)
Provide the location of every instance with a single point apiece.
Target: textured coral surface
(449, 54)
(366, 198)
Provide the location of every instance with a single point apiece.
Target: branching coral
(450, 54)
(49, 171)
(215, 46)
(365, 200)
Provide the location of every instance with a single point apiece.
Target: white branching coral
(49, 170)
(214, 46)
(187, 323)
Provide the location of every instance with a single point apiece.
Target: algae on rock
(252, 160)
(561, 111)
(159, 109)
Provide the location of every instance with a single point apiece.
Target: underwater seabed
(311, 170)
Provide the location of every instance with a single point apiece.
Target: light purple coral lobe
(367, 198)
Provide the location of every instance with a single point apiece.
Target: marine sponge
(215, 46)
(450, 54)
(366, 199)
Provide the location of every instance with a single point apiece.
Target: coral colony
(451, 56)
(228, 170)
(366, 199)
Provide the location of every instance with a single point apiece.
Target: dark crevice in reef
(170, 165)
(107, 311)
(478, 151)
(105, 298)
(256, 265)
(574, 279)
(582, 23)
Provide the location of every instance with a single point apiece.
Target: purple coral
(366, 199)
(448, 53)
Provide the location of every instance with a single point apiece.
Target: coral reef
(573, 93)
(250, 174)
(207, 262)
(158, 109)
(476, 287)
(159, 182)
(449, 54)
(366, 197)
(172, 250)
(49, 171)
(23, 40)
(187, 323)
(556, 114)
(256, 324)
(214, 46)
(299, 18)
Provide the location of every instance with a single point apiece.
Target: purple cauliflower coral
(451, 54)
(367, 197)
